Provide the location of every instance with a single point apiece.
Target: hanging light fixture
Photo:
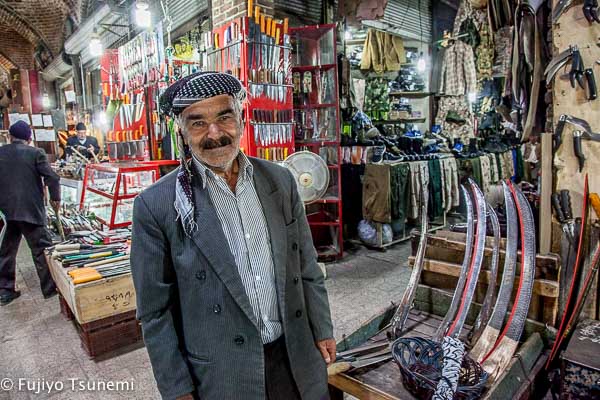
(45, 101)
(143, 16)
(421, 64)
(96, 47)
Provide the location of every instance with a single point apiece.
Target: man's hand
(91, 149)
(186, 397)
(55, 205)
(327, 349)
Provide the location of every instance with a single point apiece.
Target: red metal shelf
(312, 67)
(312, 106)
(325, 216)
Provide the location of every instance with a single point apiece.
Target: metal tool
(401, 314)
(590, 11)
(560, 8)
(566, 317)
(441, 331)
(491, 332)
(497, 360)
(344, 366)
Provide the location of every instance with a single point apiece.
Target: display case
(70, 190)
(109, 190)
(317, 127)
(256, 50)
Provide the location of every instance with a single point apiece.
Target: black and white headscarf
(180, 95)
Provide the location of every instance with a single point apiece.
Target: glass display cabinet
(317, 127)
(109, 190)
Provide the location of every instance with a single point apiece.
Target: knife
(344, 366)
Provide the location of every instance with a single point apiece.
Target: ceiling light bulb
(143, 16)
(472, 97)
(45, 101)
(348, 35)
(421, 64)
(96, 47)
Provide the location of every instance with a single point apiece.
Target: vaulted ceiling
(32, 32)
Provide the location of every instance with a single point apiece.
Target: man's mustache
(209, 144)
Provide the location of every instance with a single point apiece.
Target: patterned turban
(197, 87)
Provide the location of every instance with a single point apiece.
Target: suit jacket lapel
(270, 198)
(209, 238)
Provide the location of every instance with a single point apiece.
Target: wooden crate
(94, 300)
(384, 381)
(442, 267)
(108, 334)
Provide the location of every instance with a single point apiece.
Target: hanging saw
(497, 359)
(578, 73)
(486, 306)
(574, 278)
(492, 330)
(441, 331)
(401, 314)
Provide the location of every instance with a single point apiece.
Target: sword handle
(558, 208)
(591, 82)
(557, 137)
(565, 201)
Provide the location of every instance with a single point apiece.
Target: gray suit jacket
(179, 281)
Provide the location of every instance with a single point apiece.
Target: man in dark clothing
(86, 145)
(24, 170)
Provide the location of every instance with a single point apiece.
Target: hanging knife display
(578, 74)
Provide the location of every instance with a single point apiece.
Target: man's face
(213, 130)
(81, 135)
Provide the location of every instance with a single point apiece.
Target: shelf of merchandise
(239, 47)
(109, 189)
(411, 94)
(314, 57)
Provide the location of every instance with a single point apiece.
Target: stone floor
(39, 348)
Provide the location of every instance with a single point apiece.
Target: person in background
(86, 145)
(231, 299)
(24, 171)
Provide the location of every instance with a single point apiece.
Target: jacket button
(217, 308)
(239, 340)
(201, 275)
(295, 246)
(296, 280)
(298, 313)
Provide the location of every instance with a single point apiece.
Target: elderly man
(229, 293)
(25, 172)
(84, 144)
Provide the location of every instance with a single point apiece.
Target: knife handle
(591, 83)
(565, 202)
(557, 137)
(578, 149)
(338, 368)
(595, 201)
(557, 208)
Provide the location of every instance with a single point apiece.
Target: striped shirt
(245, 227)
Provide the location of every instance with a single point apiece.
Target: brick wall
(224, 11)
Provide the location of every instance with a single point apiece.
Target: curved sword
(401, 314)
(475, 267)
(578, 261)
(496, 361)
(439, 334)
(492, 330)
(486, 307)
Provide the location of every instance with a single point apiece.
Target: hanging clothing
(459, 75)
(352, 187)
(377, 95)
(455, 128)
(376, 193)
(486, 178)
(419, 175)
(527, 66)
(400, 195)
(382, 52)
(436, 206)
